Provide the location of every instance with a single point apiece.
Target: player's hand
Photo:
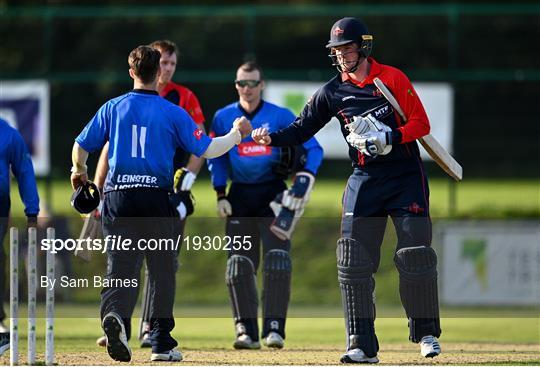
(261, 136)
(31, 221)
(243, 125)
(183, 179)
(224, 207)
(78, 179)
(298, 195)
(371, 144)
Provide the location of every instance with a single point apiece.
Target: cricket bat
(91, 229)
(430, 144)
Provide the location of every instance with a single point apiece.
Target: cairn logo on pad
(252, 149)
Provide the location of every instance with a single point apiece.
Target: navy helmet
(86, 198)
(349, 30)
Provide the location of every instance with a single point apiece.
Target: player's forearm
(195, 164)
(414, 129)
(223, 144)
(102, 167)
(295, 134)
(79, 156)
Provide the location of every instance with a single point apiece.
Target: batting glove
(224, 207)
(371, 144)
(364, 125)
(184, 179)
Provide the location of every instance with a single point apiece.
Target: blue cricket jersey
(143, 131)
(250, 162)
(14, 154)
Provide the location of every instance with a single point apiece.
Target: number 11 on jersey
(135, 140)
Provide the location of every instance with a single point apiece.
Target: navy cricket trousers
(399, 190)
(139, 215)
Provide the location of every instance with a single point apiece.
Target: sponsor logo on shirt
(381, 111)
(252, 149)
(197, 134)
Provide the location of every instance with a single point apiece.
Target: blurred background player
(388, 180)
(255, 185)
(186, 167)
(14, 156)
(137, 186)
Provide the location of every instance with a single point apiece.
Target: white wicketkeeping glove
(371, 144)
(184, 179)
(298, 195)
(224, 207)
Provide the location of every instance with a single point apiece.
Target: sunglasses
(247, 83)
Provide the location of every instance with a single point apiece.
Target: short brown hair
(144, 61)
(165, 46)
(252, 66)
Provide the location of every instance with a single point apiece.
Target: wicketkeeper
(257, 182)
(388, 180)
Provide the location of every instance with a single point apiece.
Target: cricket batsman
(388, 179)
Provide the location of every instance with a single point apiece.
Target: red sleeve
(193, 107)
(417, 124)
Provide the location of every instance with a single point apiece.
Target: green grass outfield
(475, 198)
(504, 338)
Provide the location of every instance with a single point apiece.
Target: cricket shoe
(244, 341)
(3, 328)
(274, 340)
(429, 346)
(101, 341)
(172, 355)
(357, 355)
(146, 342)
(117, 343)
(4, 342)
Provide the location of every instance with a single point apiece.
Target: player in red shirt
(388, 179)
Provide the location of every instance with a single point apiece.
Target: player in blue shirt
(144, 131)
(14, 155)
(256, 183)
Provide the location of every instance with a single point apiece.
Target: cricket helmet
(86, 198)
(348, 30)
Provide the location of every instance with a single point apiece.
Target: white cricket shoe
(117, 343)
(172, 355)
(429, 346)
(274, 340)
(244, 341)
(3, 328)
(357, 356)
